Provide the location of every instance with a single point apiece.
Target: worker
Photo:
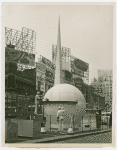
(60, 117)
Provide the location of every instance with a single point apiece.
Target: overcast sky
(86, 29)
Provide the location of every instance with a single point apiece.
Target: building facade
(20, 74)
(103, 86)
(45, 74)
(72, 64)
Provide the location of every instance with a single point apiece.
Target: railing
(88, 122)
(17, 105)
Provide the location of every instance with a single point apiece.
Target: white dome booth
(68, 97)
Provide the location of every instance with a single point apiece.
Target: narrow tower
(58, 58)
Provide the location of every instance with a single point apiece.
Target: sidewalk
(53, 137)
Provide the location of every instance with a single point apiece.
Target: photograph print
(59, 74)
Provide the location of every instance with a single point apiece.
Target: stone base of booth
(28, 128)
(11, 131)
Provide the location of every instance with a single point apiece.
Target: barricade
(28, 128)
(75, 123)
(11, 131)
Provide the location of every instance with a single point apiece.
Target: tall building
(103, 86)
(105, 75)
(20, 61)
(45, 74)
(20, 75)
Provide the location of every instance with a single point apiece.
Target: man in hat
(60, 118)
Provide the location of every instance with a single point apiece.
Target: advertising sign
(78, 67)
(10, 67)
(42, 87)
(47, 62)
(40, 67)
(75, 70)
(80, 64)
(68, 75)
(40, 72)
(65, 57)
(40, 75)
(28, 74)
(49, 75)
(20, 57)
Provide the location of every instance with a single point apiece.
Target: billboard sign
(81, 65)
(78, 66)
(42, 87)
(65, 57)
(20, 57)
(49, 75)
(40, 67)
(10, 67)
(67, 75)
(47, 62)
(40, 75)
(75, 70)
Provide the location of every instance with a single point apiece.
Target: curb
(72, 136)
(63, 137)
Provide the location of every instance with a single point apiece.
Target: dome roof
(64, 92)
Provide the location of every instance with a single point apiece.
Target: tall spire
(58, 57)
(59, 36)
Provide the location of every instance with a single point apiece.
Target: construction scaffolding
(24, 40)
(22, 43)
(65, 53)
(65, 56)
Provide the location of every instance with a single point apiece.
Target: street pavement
(97, 138)
(85, 137)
